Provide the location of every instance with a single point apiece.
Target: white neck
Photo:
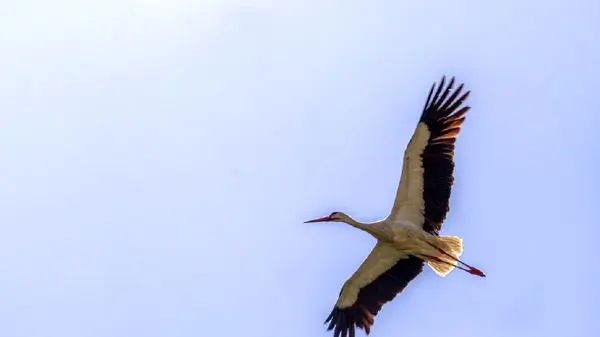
(374, 228)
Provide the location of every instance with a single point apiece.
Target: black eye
(332, 214)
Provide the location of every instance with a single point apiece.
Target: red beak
(323, 219)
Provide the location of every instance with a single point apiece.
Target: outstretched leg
(449, 247)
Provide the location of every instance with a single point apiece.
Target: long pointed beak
(323, 219)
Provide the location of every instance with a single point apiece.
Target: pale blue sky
(159, 157)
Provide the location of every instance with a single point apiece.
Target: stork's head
(372, 228)
(335, 216)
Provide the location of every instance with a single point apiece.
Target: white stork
(409, 236)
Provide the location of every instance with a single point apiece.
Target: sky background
(159, 158)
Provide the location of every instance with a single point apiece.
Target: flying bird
(409, 236)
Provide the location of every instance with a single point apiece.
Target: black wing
(428, 167)
(372, 297)
(443, 116)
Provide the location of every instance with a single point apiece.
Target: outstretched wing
(423, 193)
(383, 274)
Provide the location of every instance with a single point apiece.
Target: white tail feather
(451, 245)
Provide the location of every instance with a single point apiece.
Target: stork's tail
(443, 264)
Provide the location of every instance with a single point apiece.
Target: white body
(398, 240)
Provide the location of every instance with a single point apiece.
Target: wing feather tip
(436, 106)
(343, 322)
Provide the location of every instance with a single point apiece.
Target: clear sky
(159, 158)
